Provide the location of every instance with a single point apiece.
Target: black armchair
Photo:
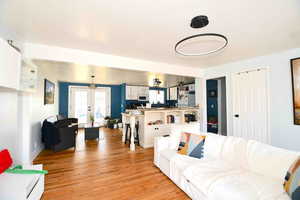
(60, 135)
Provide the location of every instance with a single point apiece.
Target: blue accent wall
(212, 102)
(116, 94)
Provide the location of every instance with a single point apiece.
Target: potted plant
(106, 121)
(92, 119)
(120, 124)
(110, 123)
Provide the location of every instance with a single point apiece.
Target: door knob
(236, 115)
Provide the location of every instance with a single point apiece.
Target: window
(156, 96)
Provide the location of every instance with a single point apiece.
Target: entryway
(216, 106)
(89, 104)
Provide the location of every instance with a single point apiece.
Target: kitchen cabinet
(173, 93)
(154, 122)
(143, 91)
(10, 66)
(191, 87)
(133, 92)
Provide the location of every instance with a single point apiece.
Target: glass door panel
(100, 106)
(85, 102)
(81, 106)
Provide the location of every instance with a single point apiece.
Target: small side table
(91, 132)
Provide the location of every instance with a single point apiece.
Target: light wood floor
(105, 170)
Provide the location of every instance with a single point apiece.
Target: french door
(250, 105)
(86, 104)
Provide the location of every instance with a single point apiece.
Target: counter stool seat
(136, 138)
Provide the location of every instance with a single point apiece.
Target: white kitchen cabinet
(143, 91)
(191, 87)
(173, 93)
(133, 92)
(10, 66)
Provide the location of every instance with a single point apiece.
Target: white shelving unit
(154, 122)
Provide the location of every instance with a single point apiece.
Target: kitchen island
(159, 121)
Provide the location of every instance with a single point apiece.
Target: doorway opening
(87, 103)
(216, 106)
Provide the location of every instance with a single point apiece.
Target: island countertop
(161, 109)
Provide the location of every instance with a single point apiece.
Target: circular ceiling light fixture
(201, 44)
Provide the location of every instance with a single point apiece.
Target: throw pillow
(5, 160)
(191, 145)
(292, 181)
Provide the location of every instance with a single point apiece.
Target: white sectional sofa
(231, 169)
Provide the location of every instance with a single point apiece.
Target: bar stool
(136, 138)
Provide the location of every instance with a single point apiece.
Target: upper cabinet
(134, 92)
(143, 91)
(173, 93)
(10, 66)
(191, 87)
(131, 93)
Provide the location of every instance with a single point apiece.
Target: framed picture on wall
(295, 68)
(49, 91)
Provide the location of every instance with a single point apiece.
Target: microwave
(143, 98)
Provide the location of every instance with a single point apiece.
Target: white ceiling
(70, 72)
(149, 29)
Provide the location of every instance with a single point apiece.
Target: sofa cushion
(234, 151)
(178, 164)
(191, 145)
(203, 174)
(168, 153)
(292, 180)
(246, 186)
(268, 160)
(213, 145)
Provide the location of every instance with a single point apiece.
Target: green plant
(107, 118)
(92, 119)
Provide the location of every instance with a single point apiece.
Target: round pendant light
(201, 44)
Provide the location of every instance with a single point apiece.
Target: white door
(101, 104)
(86, 103)
(250, 105)
(80, 104)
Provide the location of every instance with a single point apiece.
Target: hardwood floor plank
(106, 170)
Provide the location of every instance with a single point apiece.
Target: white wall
(9, 122)
(283, 131)
(33, 113)
(21, 115)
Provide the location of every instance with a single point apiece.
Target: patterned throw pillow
(191, 145)
(292, 181)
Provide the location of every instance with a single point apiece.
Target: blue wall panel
(212, 102)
